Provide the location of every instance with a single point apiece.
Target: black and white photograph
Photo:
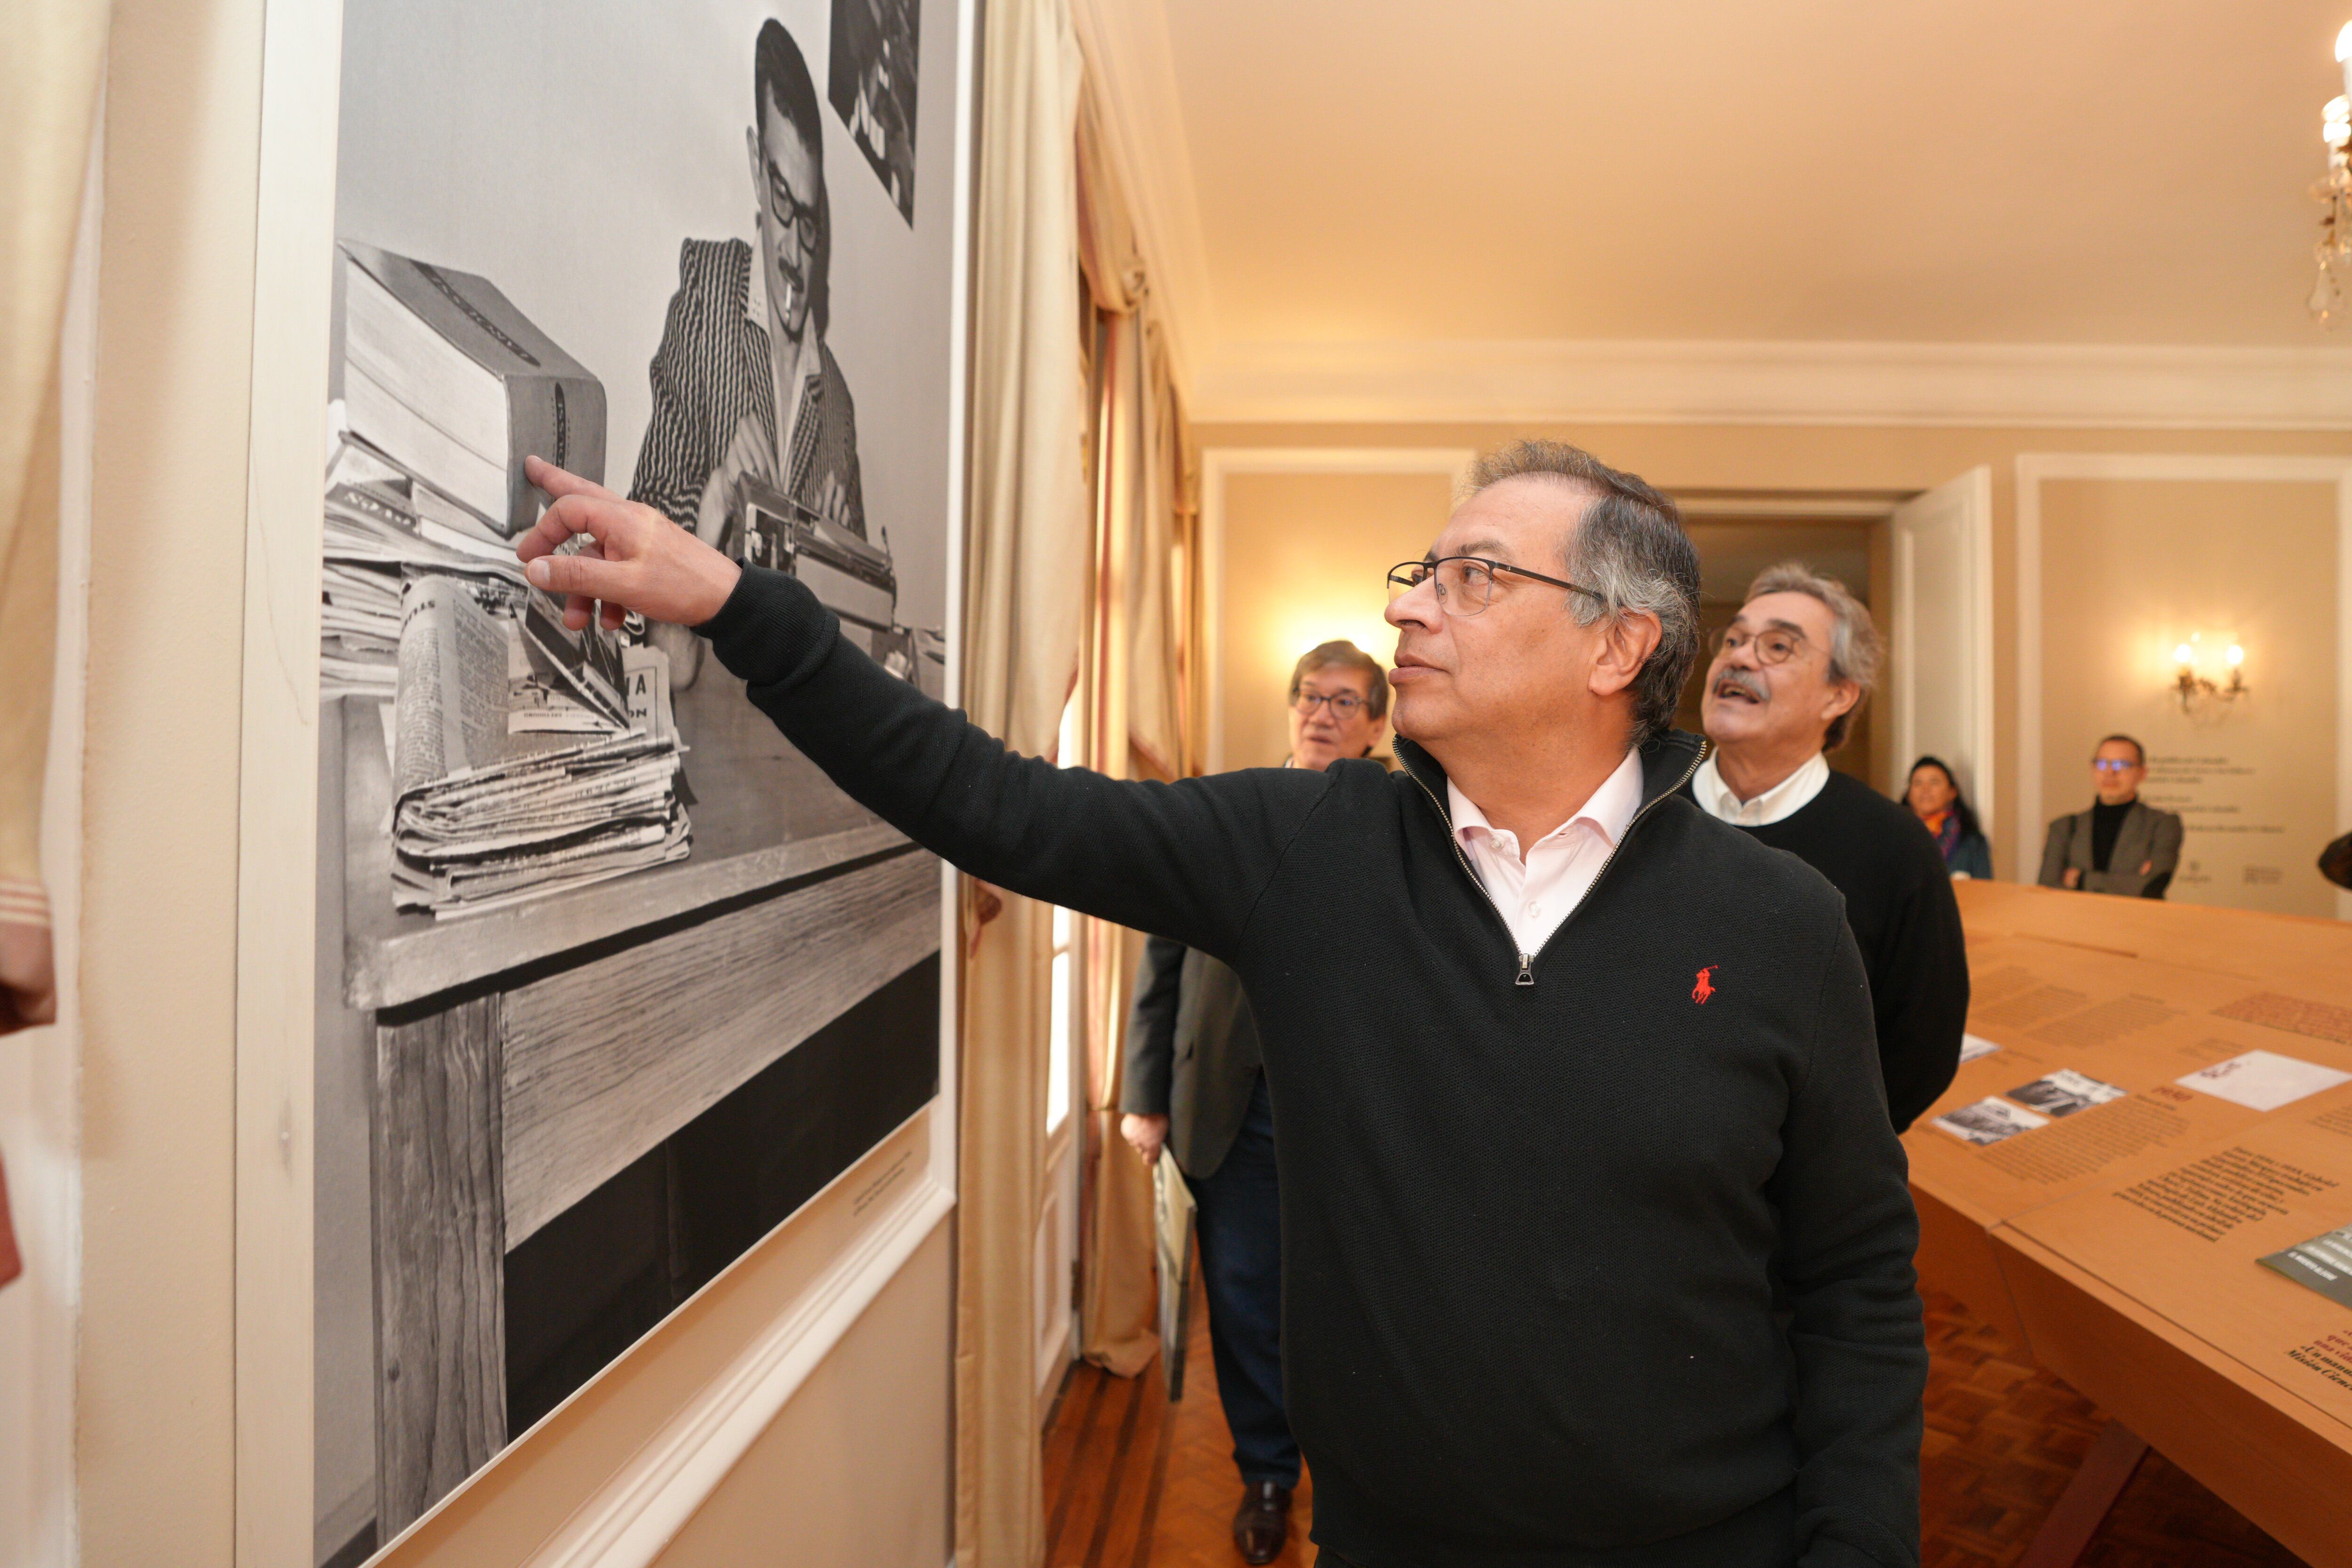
(612, 980)
(2065, 1092)
(872, 88)
(1989, 1121)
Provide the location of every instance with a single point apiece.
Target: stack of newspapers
(376, 538)
(508, 786)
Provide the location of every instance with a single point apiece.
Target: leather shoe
(1263, 1522)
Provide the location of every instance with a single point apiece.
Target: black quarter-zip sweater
(1533, 1234)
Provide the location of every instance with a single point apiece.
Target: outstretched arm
(1186, 861)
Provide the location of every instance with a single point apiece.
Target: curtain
(1025, 599)
(52, 55)
(1134, 686)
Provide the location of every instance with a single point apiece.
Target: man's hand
(636, 560)
(28, 977)
(2073, 878)
(1148, 1133)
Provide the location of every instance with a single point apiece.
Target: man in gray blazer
(1193, 1085)
(2122, 845)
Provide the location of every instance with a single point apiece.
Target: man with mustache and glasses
(1195, 1085)
(1790, 674)
(1596, 1243)
(744, 384)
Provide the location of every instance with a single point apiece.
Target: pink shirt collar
(1610, 810)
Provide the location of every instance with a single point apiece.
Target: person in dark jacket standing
(1596, 1238)
(2122, 845)
(1194, 1086)
(1788, 675)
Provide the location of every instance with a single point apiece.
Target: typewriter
(854, 579)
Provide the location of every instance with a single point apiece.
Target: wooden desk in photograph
(2119, 1242)
(523, 1057)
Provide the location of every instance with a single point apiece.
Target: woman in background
(1933, 796)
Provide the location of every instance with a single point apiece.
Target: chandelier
(2334, 252)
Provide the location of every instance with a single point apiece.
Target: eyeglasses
(1774, 645)
(1465, 583)
(1345, 705)
(790, 211)
(2111, 765)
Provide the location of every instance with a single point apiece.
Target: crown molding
(1126, 46)
(1560, 381)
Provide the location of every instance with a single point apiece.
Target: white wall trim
(1999, 385)
(278, 796)
(2035, 467)
(632, 1517)
(1128, 53)
(1220, 463)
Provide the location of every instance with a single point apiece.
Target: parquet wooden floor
(1132, 1481)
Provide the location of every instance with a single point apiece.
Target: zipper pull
(1527, 976)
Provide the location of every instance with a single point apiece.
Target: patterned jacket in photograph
(712, 372)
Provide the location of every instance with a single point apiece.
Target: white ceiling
(1400, 173)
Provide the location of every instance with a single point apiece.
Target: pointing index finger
(561, 482)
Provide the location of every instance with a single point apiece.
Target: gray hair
(1630, 549)
(1854, 645)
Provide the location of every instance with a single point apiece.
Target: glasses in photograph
(1773, 645)
(1344, 704)
(1465, 583)
(2112, 764)
(790, 212)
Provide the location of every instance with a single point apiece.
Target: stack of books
(526, 759)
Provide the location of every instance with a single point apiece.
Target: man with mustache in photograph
(1596, 1238)
(744, 382)
(1789, 675)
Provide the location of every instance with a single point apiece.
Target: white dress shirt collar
(1783, 800)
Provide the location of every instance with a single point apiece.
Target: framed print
(605, 981)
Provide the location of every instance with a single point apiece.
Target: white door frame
(2035, 467)
(1971, 493)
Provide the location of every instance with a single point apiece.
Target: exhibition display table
(2158, 1098)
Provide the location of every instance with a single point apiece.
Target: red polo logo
(1706, 986)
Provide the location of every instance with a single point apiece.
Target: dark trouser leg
(1240, 1227)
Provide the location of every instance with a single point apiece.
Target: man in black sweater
(1790, 674)
(1596, 1252)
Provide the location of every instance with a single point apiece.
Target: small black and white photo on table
(2065, 1092)
(872, 86)
(612, 980)
(1989, 1121)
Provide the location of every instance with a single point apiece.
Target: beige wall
(1813, 459)
(2132, 568)
(858, 1460)
(852, 1474)
(1304, 560)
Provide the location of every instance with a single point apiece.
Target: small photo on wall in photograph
(2065, 1092)
(1989, 1121)
(871, 83)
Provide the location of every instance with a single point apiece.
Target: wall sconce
(2190, 686)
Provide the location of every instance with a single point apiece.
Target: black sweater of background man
(1532, 1232)
(1898, 900)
